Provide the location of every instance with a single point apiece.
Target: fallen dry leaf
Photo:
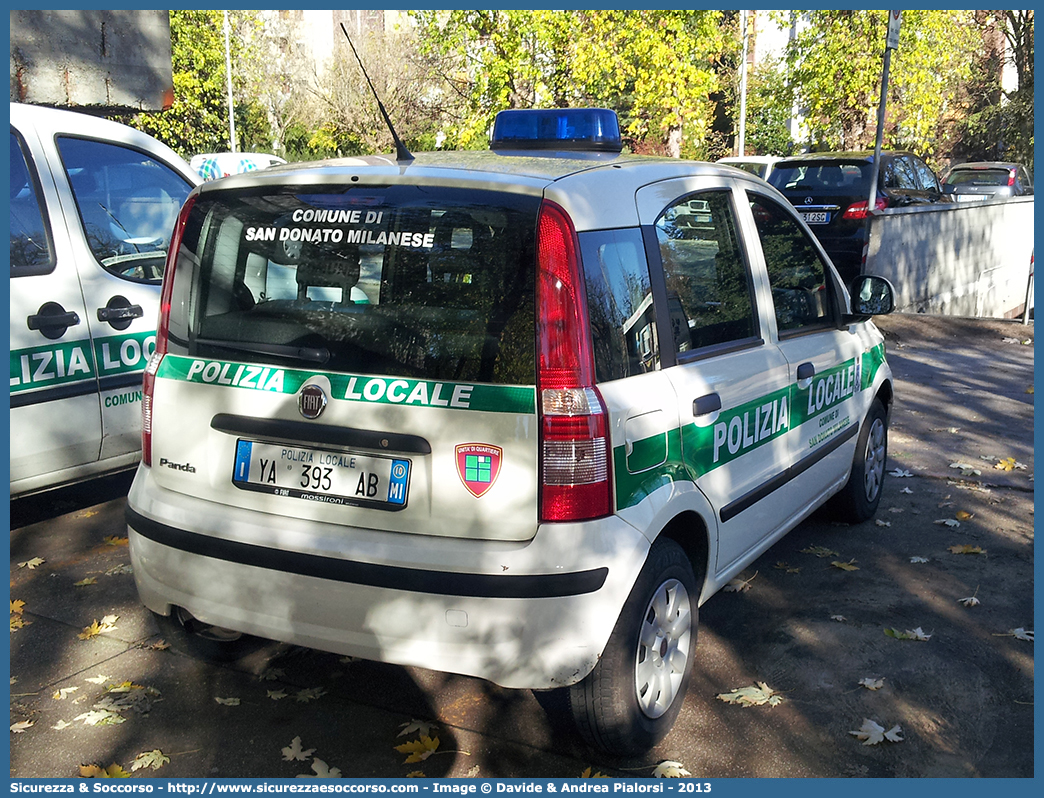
(106, 624)
(35, 562)
(961, 515)
(588, 774)
(872, 733)
(841, 618)
(670, 770)
(755, 695)
(227, 702)
(113, 540)
(969, 601)
(845, 566)
(790, 569)
(62, 694)
(113, 771)
(871, 684)
(909, 634)
(967, 548)
(90, 580)
(900, 473)
(950, 522)
(423, 727)
(418, 750)
(918, 559)
(17, 606)
(21, 726)
(309, 694)
(879, 522)
(738, 585)
(322, 771)
(294, 751)
(821, 552)
(277, 695)
(154, 759)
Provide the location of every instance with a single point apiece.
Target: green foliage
(655, 68)
(769, 104)
(198, 119)
(835, 67)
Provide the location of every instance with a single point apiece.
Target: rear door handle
(806, 371)
(705, 405)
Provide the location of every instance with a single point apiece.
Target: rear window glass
(407, 281)
(979, 177)
(843, 178)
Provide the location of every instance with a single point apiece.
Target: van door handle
(806, 371)
(52, 320)
(705, 405)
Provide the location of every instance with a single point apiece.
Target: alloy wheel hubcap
(873, 468)
(663, 648)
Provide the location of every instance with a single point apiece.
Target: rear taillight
(1011, 177)
(574, 436)
(162, 332)
(858, 210)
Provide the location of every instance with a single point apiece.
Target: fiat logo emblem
(311, 401)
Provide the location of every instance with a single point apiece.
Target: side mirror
(872, 295)
(948, 188)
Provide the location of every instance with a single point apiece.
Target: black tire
(193, 638)
(631, 699)
(858, 499)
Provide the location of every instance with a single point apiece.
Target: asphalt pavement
(94, 683)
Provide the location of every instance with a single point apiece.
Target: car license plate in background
(816, 217)
(316, 475)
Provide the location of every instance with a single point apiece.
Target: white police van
(585, 389)
(92, 206)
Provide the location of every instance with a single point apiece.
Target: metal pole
(1029, 295)
(880, 131)
(228, 75)
(741, 134)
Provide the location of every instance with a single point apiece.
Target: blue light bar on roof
(589, 129)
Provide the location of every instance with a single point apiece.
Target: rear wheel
(631, 699)
(858, 500)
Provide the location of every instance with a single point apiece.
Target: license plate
(322, 476)
(816, 217)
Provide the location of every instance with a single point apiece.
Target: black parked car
(831, 189)
(983, 180)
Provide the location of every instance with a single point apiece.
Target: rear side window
(128, 203)
(709, 294)
(620, 304)
(797, 275)
(411, 281)
(31, 249)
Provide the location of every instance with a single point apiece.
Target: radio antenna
(401, 153)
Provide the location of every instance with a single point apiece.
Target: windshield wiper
(307, 354)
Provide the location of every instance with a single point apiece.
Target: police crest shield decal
(478, 465)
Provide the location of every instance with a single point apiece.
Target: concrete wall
(960, 259)
(107, 61)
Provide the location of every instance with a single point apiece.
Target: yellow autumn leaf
(845, 566)
(113, 771)
(107, 624)
(1007, 464)
(90, 580)
(33, 563)
(113, 540)
(17, 606)
(967, 548)
(961, 515)
(17, 623)
(588, 774)
(418, 750)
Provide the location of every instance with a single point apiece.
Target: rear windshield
(405, 281)
(979, 177)
(843, 178)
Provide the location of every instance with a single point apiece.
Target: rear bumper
(535, 614)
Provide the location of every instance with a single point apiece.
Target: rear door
(55, 413)
(731, 381)
(359, 354)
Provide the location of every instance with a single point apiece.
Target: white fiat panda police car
(92, 205)
(583, 391)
